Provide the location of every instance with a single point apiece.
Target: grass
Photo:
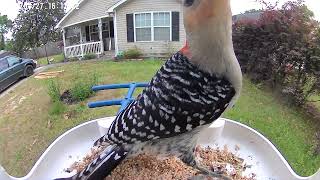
(286, 127)
(316, 100)
(30, 121)
(56, 59)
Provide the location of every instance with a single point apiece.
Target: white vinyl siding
(147, 6)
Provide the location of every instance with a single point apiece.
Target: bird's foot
(208, 173)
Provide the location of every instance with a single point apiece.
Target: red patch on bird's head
(186, 50)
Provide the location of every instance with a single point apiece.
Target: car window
(12, 60)
(3, 64)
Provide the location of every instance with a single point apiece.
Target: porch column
(110, 39)
(100, 34)
(64, 40)
(81, 42)
(115, 33)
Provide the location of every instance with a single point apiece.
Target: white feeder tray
(267, 162)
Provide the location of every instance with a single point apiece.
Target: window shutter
(130, 30)
(111, 26)
(87, 34)
(175, 26)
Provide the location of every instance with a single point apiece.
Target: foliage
(57, 108)
(9, 45)
(81, 89)
(134, 53)
(35, 24)
(73, 59)
(170, 49)
(282, 49)
(54, 91)
(89, 56)
(5, 26)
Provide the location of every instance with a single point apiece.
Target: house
(97, 26)
(251, 16)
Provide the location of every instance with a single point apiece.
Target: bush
(282, 49)
(54, 91)
(132, 54)
(82, 88)
(89, 56)
(73, 59)
(57, 108)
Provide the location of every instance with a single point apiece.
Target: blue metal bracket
(123, 102)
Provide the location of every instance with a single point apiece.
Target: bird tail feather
(102, 166)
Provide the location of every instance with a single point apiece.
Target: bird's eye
(188, 3)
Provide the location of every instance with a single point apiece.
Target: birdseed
(147, 167)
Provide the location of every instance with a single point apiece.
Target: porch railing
(83, 49)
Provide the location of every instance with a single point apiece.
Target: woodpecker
(190, 91)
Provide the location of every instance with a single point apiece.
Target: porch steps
(107, 55)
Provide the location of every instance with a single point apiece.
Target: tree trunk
(2, 43)
(45, 49)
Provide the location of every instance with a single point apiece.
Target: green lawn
(25, 122)
(316, 100)
(56, 59)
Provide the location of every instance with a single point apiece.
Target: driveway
(18, 83)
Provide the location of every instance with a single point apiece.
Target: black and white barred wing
(178, 99)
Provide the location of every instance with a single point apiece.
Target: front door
(108, 35)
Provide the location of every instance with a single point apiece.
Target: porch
(90, 37)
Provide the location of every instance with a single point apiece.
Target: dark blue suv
(12, 68)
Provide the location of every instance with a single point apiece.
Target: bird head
(198, 14)
(208, 25)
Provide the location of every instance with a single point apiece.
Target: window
(94, 32)
(12, 60)
(3, 64)
(161, 26)
(154, 26)
(105, 30)
(143, 26)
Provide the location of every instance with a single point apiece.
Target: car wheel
(28, 71)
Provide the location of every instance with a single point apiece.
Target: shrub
(134, 53)
(81, 90)
(281, 49)
(89, 56)
(73, 59)
(57, 108)
(54, 90)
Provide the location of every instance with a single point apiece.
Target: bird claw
(209, 174)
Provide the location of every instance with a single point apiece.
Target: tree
(5, 25)
(36, 21)
(282, 49)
